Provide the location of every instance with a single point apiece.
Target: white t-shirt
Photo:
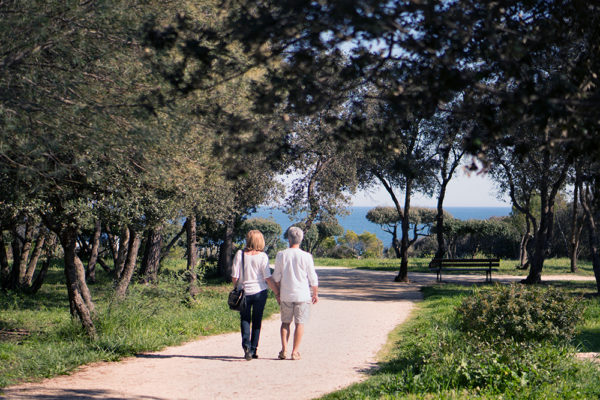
(256, 270)
(295, 269)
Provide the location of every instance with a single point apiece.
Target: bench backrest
(465, 262)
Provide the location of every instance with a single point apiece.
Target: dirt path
(357, 310)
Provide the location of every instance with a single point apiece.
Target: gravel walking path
(356, 311)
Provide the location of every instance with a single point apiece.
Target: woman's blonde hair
(255, 241)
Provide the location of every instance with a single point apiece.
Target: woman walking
(251, 267)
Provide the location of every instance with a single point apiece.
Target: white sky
(463, 191)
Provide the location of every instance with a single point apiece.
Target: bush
(521, 313)
(340, 252)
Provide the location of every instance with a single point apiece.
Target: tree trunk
(542, 237)
(595, 256)
(593, 233)
(16, 246)
(39, 279)
(523, 248)
(171, 244)
(21, 248)
(91, 267)
(37, 251)
(404, 241)
(192, 255)
(395, 242)
(575, 231)
(76, 286)
(134, 240)
(122, 253)
(113, 244)
(4, 267)
(226, 252)
(439, 223)
(151, 260)
(105, 267)
(540, 246)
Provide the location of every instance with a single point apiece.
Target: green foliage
(494, 236)
(329, 229)
(520, 313)
(384, 216)
(270, 229)
(371, 246)
(588, 336)
(431, 359)
(365, 245)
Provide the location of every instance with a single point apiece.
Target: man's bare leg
(298, 333)
(285, 336)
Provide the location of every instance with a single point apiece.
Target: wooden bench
(465, 264)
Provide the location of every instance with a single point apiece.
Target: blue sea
(356, 219)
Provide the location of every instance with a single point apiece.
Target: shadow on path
(359, 285)
(216, 358)
(73, 394)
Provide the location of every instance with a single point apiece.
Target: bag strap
(240, 283)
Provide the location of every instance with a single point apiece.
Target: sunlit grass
(552, 266)
(40, 339)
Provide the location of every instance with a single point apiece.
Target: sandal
(296, 356)
(282, 355)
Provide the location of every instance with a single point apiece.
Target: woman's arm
(236, 268)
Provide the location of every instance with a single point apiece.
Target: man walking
(298, 287)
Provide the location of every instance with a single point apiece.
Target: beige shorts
(299, 312)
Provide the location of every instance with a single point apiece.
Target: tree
(270, 229)
(448, 132)
(78, 144)
(536, 62)
(576, 219)
(421, 222)
(325, 172)
(589, 199)
(525, 174)
(364, 245)
(406, 165)
(388, 219)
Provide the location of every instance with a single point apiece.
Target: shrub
(340, 252)
(521, 313)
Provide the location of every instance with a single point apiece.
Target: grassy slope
(47, 342)
(418, 342)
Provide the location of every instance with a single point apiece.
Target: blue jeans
(255, 305)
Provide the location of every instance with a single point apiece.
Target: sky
(463, 191)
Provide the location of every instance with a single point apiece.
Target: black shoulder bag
(237, 297)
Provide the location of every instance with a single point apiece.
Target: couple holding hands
(294, 282)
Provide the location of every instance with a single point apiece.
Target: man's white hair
(295, 235)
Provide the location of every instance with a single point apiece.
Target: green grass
(552, 266)
(428, 357)
(38, 339)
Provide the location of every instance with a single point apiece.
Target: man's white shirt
(295, 271)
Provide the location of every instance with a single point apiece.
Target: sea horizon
(357, 222)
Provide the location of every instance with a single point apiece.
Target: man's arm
(314, 294)
(313, 280)
(274, 287)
